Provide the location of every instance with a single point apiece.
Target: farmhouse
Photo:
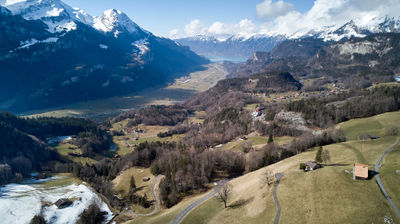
(311, 166)
(372, 137)
(62, 203)
(360, 171)
(41, 176)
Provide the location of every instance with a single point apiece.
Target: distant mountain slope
(374, 58)
(244, 47)
(51, 54)
(232, 47)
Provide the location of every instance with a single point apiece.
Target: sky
(181, 18)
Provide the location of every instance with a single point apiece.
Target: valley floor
(178, 91)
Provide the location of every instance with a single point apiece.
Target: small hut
(62, 203)
(311, 166)
(41, 176)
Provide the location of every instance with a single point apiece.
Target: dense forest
(23, 145)
(325, 111)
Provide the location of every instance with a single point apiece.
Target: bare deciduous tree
(268, 176)
(225, 193)
(326, 157)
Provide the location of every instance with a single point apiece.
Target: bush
(38, 219)
(392, 131)
(302, 166)
(92, 215)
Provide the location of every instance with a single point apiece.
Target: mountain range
(52, 54)
(357, 62)
(246, 46)
(234, 48)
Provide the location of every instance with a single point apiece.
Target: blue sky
(162, 16)
(221, 18)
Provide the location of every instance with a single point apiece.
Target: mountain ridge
(46, 58)
(246, 46)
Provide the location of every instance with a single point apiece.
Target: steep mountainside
(53, 55)
(374, 58)
(285, 56)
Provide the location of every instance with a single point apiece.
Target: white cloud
(195, 27)
(288, 21)
(173, 33)
(269, 9)
(221, 30)
(328, 12)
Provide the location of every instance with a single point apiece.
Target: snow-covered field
(19, 203)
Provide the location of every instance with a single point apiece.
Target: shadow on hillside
(372, 174)
(241, 202)
(337, 164)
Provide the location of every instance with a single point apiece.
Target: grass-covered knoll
(377, 125)
(251, 202)
(204, 212)
(327, 195)
(198, 117)
(122, 181)
(121, 184)
(254, 141)
(126, 142)
(65, 148)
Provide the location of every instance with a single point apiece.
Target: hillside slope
(327, 195)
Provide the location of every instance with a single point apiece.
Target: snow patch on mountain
(141, 45)
(28, 43)
(58, 27)
(103, 46)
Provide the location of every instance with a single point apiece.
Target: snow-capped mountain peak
(115, 21)
(61, 17)
(57, 15)
(358, 27)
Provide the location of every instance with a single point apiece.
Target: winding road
(186, 211)
(378, 179)
(278, 177)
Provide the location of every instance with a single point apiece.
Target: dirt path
(278, 177)
(378, 179)
(189, 208)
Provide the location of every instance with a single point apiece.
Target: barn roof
(361, 170)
